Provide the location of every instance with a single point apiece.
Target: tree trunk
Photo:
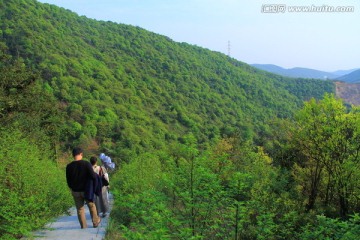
(314, 187)
(237, 220)
(343, 201)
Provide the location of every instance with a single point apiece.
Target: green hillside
(124, 85)
(207, 147)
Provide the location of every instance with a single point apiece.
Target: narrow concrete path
(68, 228)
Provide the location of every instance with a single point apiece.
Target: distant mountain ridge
(344, 72)
(298, 72)
(353, 77)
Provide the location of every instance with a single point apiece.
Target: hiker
(79, 174)
(101, 201)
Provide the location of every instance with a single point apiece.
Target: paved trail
(68, 228)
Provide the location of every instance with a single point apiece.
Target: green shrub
(328, 228)
(32, 188)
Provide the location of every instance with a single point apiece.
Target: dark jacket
(78, 173)
(93, 186)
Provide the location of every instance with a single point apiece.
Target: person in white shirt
(102, 201)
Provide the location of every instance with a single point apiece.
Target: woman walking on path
(101, 201)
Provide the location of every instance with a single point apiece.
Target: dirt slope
(350, 92)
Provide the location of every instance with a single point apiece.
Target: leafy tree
(198, 199)
(327, 228)
(328, 137)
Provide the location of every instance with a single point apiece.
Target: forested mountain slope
(130, 89)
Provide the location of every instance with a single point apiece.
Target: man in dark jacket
(78, 173)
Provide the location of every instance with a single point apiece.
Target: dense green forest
(207, 147)
(131, 89)
(31, 184)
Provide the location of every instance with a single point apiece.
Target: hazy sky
(324, 40)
